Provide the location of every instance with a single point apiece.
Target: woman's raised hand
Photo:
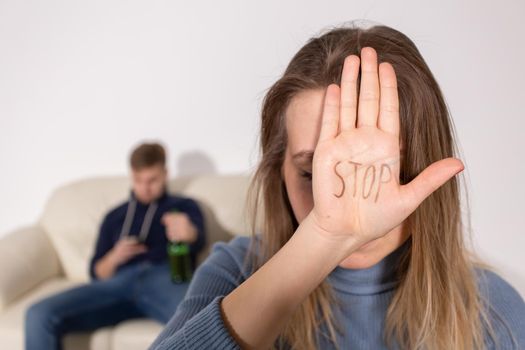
(356, 163)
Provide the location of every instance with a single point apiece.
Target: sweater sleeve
(195, 214)
(103, 245)
(197, 322)
(506, 311)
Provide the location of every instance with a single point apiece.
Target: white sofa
(53, 254)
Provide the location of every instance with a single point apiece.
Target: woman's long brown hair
(437, 304)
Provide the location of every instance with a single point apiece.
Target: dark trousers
(143, 290)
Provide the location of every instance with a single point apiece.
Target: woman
(361, 244)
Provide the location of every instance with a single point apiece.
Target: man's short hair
(148, 155)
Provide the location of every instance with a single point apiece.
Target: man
(129, 269)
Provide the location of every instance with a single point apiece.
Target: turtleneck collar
(378, 278)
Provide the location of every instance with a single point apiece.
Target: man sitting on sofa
(129, 269)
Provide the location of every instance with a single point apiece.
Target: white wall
(82, 81)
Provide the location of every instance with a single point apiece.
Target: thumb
(429, 180)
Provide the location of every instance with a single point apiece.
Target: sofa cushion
(134, 334)
(28, 258)
(72, 218)
(12, 318)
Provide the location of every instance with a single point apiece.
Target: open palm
(356, 162)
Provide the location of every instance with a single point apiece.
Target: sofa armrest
(27, 258)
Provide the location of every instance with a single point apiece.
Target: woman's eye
(306, 175)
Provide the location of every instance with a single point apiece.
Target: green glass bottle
(180, 262)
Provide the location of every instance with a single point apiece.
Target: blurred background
(82, 82)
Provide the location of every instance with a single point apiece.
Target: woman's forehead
(303, 120)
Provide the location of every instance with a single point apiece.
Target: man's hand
(124, 250)
(179, 227)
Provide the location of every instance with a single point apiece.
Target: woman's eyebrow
(303, 157)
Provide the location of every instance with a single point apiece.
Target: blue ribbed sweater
(365, 295)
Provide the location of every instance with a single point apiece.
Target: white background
(81, 82)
